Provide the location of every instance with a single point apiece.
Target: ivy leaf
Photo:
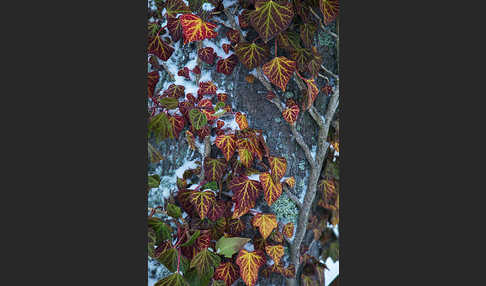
(207, 88)
(160, 126)
(330, 9)
(301, 57)
(279, 70)
(207, 55)
(177, 123)
(195, 29)
(290, 182)
(218, 283)
(278, 166)
(290, 113)
(174, 279)
(288, 229)
(312, 92)
(241, 120)
(194, 279)
(169, 102)
(197, 118)
(289, 271)
(315, 63)
(175, 28)
(245, 194)
(226, 66)
(266, 223)
(244, 152)
(271, 190)
(159, 48)
(174, 7)
(174, 211)
(169, 259)
(202, 200)
(161, 229)
(228, 272)
(249, 263)
(205, 262)
(228, 246)
(233, 36)
(271, 17)
(251, 54)
(289, 41)
(214, 168)
(275, 252)
(216, 210)
(334, 250)
(153, 79)
(244, 19)
(227, 145)
(153, 181)
(226, 48)
(236, 226)
(307, 33)
(190, 140)
(175, 91)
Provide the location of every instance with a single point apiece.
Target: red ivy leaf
(278, 166)
(236, 226)
(233, 36)
(249, 263)
(206, 88)
(271, 17)
(244, 19)
(205, 104)
(279, 70)
(245, 194)
(159, 48)
(175, 28)
(222, 96)
(312, 92)
(184, 72)
(195, 29)
(219, 124)
(207, 55)
(270, 95)
(153, 79)
(174, 91)
(241, 120)
(196, 70)
(227, 65)
(288, 230)
(227, 145)
(216, 210)
(202, 200)
(290, 114)
(271, 190)
(330, 9)
(228, 272)
(214, 168)
(177, 122)
(226, 48)
(251, 54)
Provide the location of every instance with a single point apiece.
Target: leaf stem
(275, 46)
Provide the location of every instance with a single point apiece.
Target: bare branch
(329, 72)
(322, 26)
(168, 72)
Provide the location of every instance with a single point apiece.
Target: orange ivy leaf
(174, 91)
(245, 156)
(227, 145)
(266, 223)
(195, 29)
(202, 200)
(153, 79)
(228, 272)
(159, 48)
(288, 229)
(271, 17)
(251, 54)
(271, 190)
(207, 88)
(249, 263)
(207, 55)
(190, 140)
(241, 120)
(226, 66)
(233, 36)
(312, 92)
(290, 113)
(278, 166)
(245, 194)
(214, 168)
(290, 182)
(279, 70)
(275, 252)
(250, 78)
(330, 9)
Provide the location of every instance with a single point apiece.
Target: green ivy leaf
(334, 250)
(175, 279)
(169, 102)
(169, 259)
(162, 230)
(174, 211)
(205, 261)
(197, 118)
(228, 246)
(153, 181)
(219, 105)
(196, 280)
(192, 239)
(213, 185)
(160, 126)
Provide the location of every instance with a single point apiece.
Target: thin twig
(168, 72)
(322, 25)
(292, 197)
(330, 72)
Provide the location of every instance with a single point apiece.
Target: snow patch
(332, 273)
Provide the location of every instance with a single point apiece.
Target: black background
(74, 204)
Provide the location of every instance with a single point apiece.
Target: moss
(285, 209)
